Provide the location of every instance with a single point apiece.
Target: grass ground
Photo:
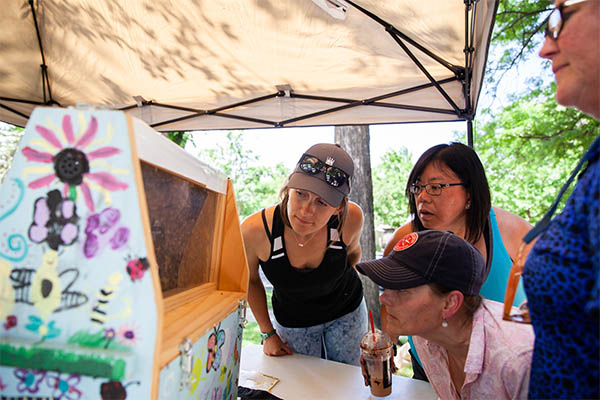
(252, 335)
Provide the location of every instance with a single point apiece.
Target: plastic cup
(377, 351)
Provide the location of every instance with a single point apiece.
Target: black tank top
(303, 298)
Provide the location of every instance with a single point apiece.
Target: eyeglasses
(333, 176)
(557, 18)
(434, 189)
(522, 316)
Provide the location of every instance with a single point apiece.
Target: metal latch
(187, 363)
(242, 313)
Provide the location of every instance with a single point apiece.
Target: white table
(303, 377)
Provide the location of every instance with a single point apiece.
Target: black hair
(464, 162)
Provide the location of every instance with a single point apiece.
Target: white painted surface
(303, 377)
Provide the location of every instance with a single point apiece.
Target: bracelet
(265, 336)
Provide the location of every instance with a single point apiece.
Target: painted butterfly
(215, 342)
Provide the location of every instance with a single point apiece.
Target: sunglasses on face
(522, 315)
(333, 176)
(434, 189)
(557, 18)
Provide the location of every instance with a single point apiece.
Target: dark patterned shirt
(561, 279)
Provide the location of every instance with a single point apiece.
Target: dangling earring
(444, 323)
(468, 205)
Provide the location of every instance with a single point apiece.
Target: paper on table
(257, 380)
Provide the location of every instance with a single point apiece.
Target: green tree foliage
(530, 148)
(255, 186)
(517, 35)
(180, 137)
(9, 140)
(389, 180)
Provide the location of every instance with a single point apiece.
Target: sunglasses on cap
(333, 176)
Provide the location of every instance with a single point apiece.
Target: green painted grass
(64, 361)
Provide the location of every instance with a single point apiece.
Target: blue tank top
(494, 286)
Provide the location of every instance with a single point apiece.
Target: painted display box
(122, 266)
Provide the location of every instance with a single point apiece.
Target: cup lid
(375, 341)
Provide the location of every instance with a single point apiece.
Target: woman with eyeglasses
(307, 246)
(561, 275)
(448, 191)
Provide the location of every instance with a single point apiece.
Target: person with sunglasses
(432, 282)
(447, 189)
(562, 272)
(307, 247)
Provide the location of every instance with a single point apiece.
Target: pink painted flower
(128, 335)
(71, 162)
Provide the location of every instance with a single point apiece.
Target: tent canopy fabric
(234, 64)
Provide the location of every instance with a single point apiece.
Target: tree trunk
(355, 140)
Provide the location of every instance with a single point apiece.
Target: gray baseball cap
(318, 171)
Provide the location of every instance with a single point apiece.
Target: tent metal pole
(350, 103)
(43, 66)
(470, 5)
(20, 114)
(376, 98)
(12, 100)
(470, 133)
(390, 28)
(398, 36)
(468, 50)
(374, 103)
(428, 75)
(216, 112)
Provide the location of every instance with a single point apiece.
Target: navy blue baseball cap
(426, 257)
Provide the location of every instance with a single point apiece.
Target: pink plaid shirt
(498, 361)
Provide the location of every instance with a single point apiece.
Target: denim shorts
(339, 339)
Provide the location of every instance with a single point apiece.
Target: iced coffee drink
(377, 352)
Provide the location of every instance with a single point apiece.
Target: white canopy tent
(233, 64)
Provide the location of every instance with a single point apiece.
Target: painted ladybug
(113, 390)
(137, 267)
(11, 322)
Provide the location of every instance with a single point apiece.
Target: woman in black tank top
(307, 246)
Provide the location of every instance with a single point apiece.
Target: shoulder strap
(264, 218)
(334, 235)
(488, 237)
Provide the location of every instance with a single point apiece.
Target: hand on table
(274, 346)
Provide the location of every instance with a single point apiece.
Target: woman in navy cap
(307, 246)
(432, 280)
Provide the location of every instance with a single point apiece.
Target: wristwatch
(265, 336)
